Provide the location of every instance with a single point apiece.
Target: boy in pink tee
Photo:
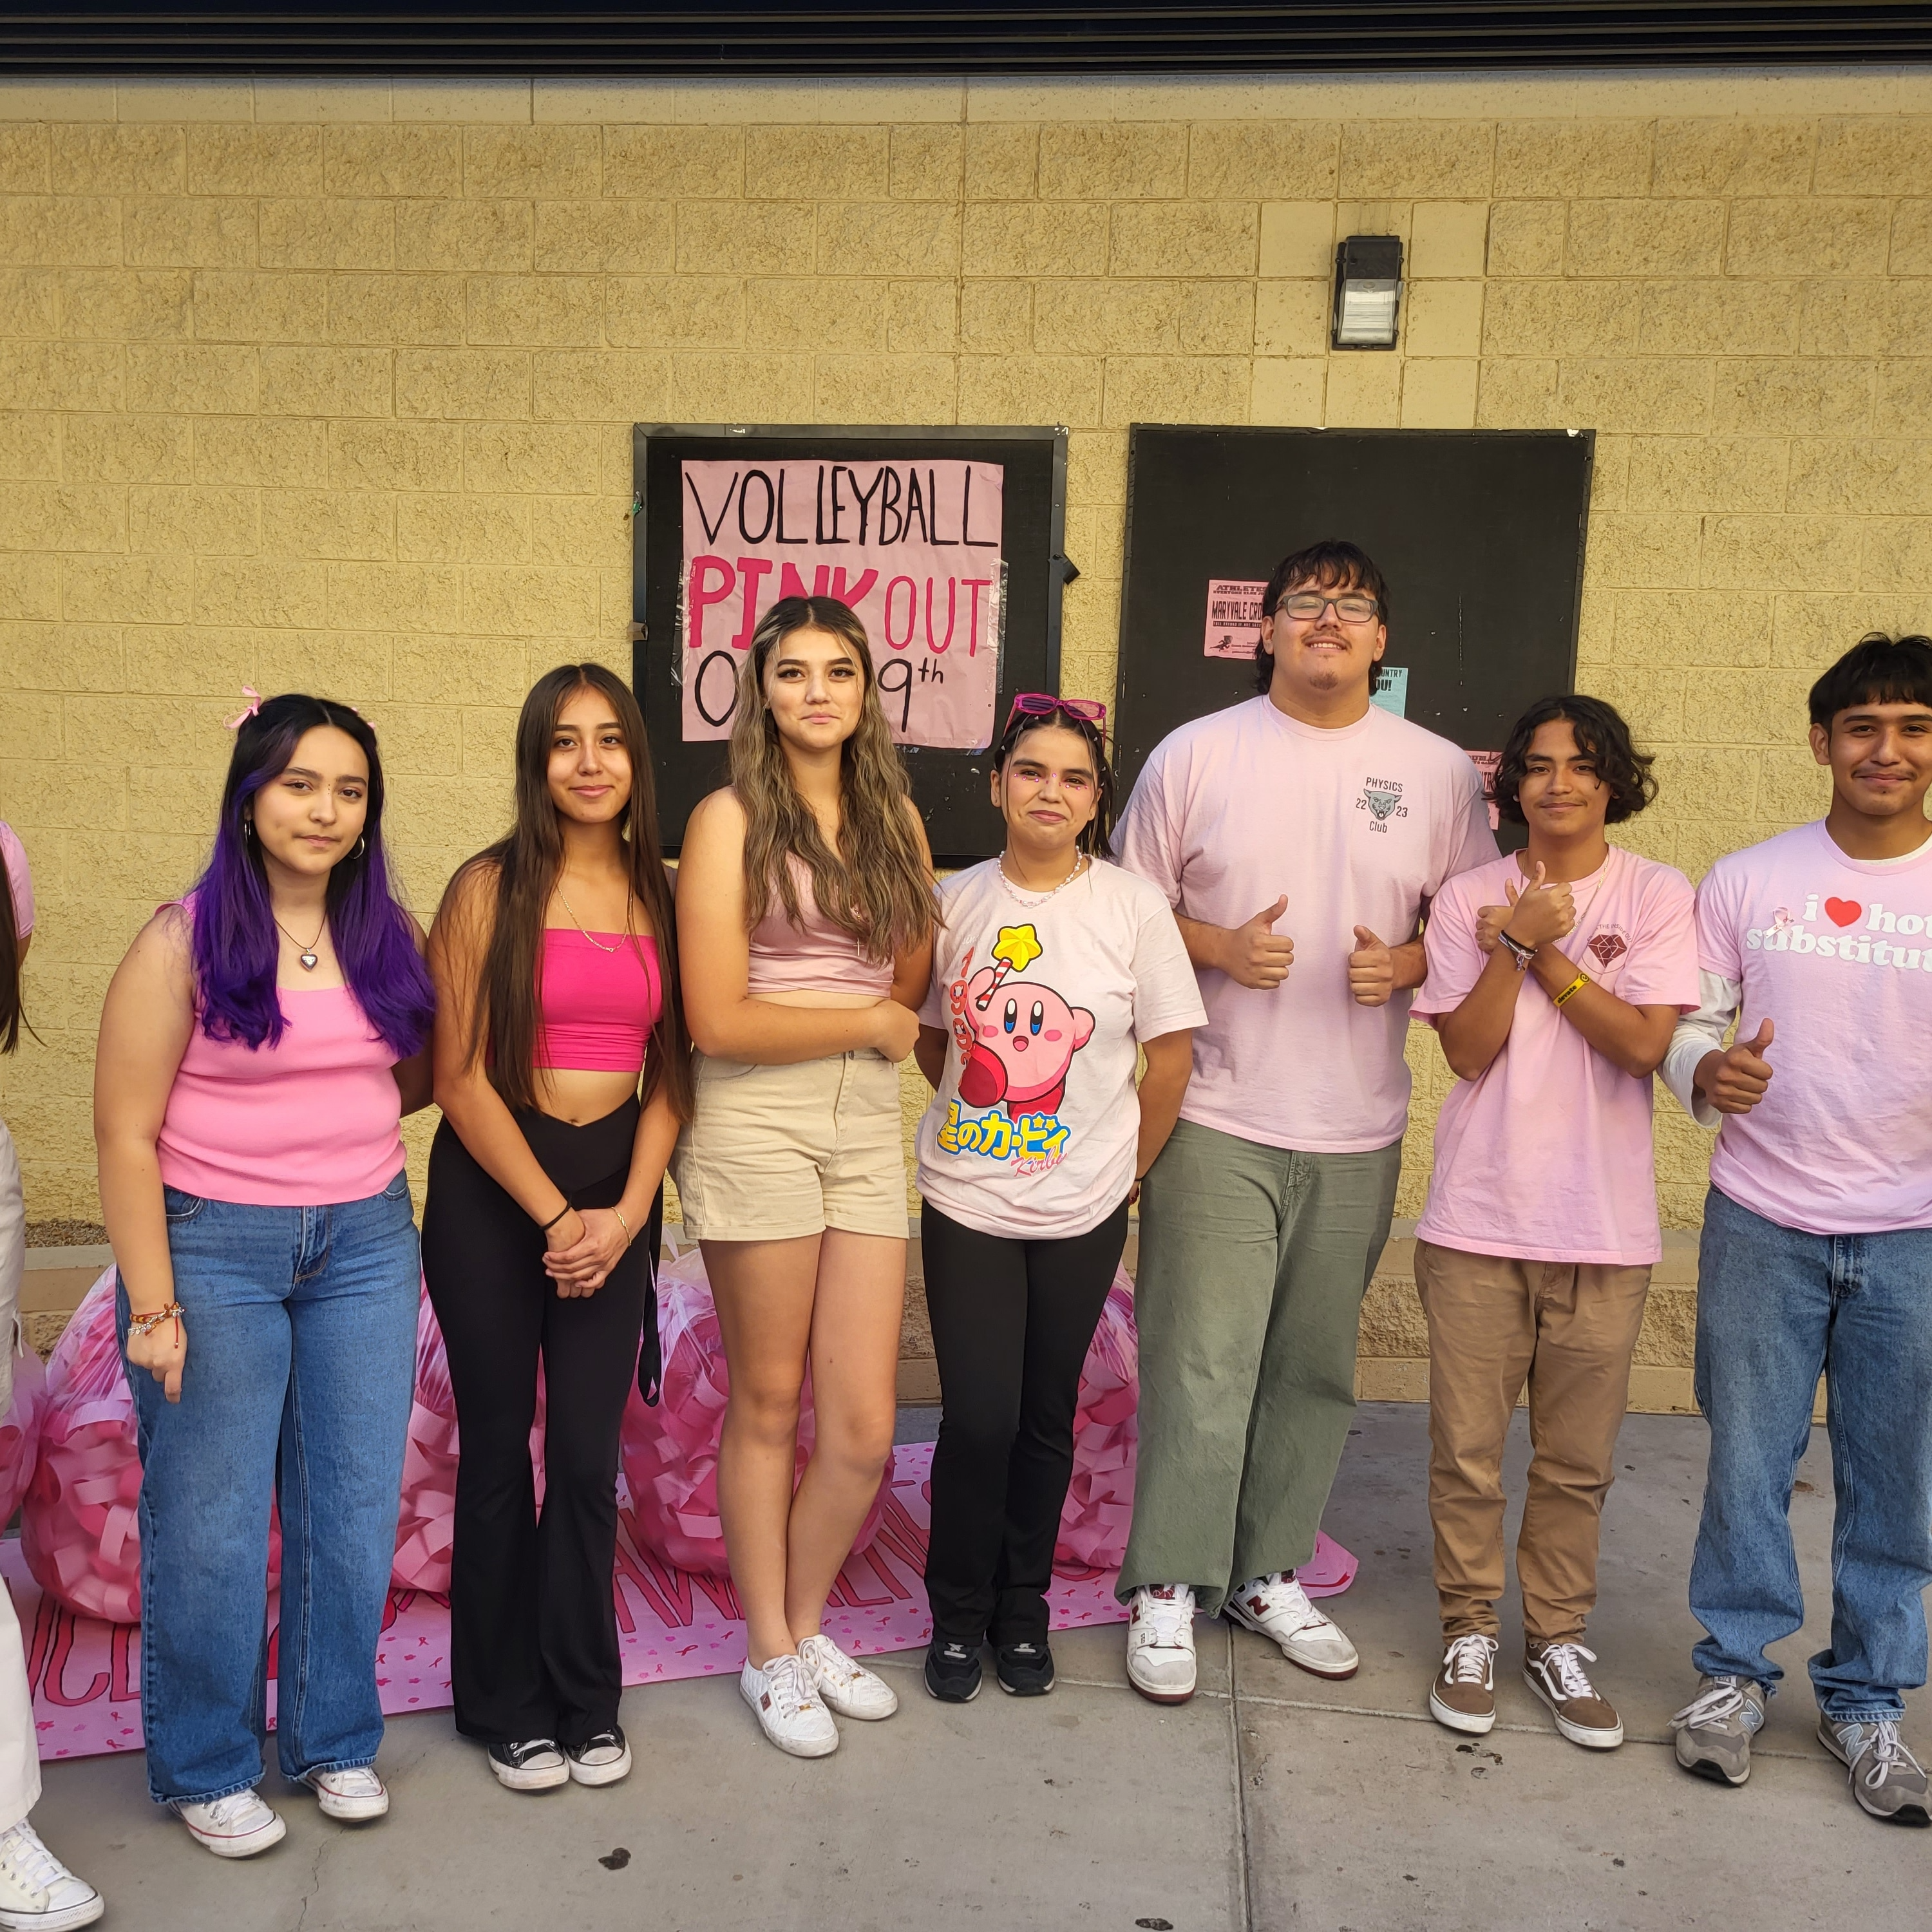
(1817, 1246)
(1555, 978)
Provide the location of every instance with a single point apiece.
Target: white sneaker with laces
(37, 1891)
(1277, 1607)
(850, 1690)
(789, 1709)
(237, 1826)
(354, 1795)
(1160, 1642)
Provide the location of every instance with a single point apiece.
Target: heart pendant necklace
(308, 955)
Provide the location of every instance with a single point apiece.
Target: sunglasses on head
(1045, 704)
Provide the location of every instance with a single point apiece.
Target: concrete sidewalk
(1273, 1800)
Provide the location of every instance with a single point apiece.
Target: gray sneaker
(1887, 1780)
(1714, 1729)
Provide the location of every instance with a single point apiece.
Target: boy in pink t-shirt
(1555, 978)
(1817, 1246)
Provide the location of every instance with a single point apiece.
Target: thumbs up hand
(1735, 1080)
(1254, 954)
(1371, 970)
(1539, 912)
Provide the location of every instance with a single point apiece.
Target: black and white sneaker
(952, 1671)
(533, 1764)
(1024, 1670)
(601, 1758)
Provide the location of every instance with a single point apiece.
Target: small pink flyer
(1486, 762)
(1234, 617)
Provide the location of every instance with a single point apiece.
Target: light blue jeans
(302, 1327)
(1774, 1308)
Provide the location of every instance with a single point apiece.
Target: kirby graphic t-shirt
(1547, 1157)
(1033, 1131)
(1837, 953)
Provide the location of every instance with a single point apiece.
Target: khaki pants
(1569, 1329)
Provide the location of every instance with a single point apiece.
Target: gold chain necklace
(584, 929)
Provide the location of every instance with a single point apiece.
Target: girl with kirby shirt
(1053, 969)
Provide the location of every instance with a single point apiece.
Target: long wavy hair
(876, 887)
(527, 863)
(235, 947)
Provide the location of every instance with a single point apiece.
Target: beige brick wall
(330, 385)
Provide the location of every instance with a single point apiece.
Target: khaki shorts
(774, 1153)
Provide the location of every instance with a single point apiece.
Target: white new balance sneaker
(1277, 1607)
(355, 1796)
(37, 1891)
(850, 1690)
(1160, 1643)
(237, 1826)
(790, 1711)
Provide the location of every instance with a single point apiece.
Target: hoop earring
(247, 827)
(362, 846)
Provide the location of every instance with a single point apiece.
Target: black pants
(533, 1627)
(1012, 1322)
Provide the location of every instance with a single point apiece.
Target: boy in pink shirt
(1556, 977)
(1817, 1247)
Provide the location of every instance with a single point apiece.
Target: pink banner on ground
(912, 547)
(86, 1672)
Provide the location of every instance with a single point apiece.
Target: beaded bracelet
(144, 1325)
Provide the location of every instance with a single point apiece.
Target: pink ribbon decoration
(671, 1452)
(248, 710)
(1099, 1504)
(20, 1432)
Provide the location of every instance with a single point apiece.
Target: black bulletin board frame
(949, 787)
(1480, 533)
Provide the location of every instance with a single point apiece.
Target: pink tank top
(599, 1004)
(814, 957)
(312, 1121)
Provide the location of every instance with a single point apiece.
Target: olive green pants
(1253, 1262)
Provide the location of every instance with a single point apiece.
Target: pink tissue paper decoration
(79, 1530)
(1100, 1498)
(670, 1451)
(20, 1429)
(426, 1524)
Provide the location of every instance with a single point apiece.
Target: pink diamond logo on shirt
(1608, 947)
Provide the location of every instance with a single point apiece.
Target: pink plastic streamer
(20, 1432)
(671, 1452)
(1100, 1498)
(426, 1525)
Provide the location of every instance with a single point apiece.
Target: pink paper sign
(914, 547)
(1234, 617)
(1487, 764)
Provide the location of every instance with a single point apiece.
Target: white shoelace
(1168, 1620)
(223, 1812)
(358, 1781)
(1888, 1753)
(1287, 1597)
(789, 1691)
(828, 1661)
(1561, 1659)
(22, 1852)
(1723, 1698)
(1467, 1659)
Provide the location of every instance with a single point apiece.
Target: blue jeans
(1774, 1308)
(301, 1328)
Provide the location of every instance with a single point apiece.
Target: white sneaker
(788, 1707)
(36, 1890)
(354, 1795)
(603, 1758)
(1160, 1643)
(1277, 1607)
(851, 1690)
(237, 1826)
(529, 1764)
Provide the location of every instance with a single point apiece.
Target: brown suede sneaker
(1555, 1672)
(1464, 1694)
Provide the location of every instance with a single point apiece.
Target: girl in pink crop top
(813, 957)
(599, 994)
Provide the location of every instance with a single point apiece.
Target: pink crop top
(813, 957)
(601, 996)
(312, 1121)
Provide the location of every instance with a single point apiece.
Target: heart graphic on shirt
(1608, 945)
(1842, 912)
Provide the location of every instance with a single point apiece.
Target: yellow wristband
(1575, 986)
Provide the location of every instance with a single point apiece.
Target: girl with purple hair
(260, 1043)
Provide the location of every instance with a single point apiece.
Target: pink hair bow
(253, 705)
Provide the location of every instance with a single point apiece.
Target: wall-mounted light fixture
(1368, 291)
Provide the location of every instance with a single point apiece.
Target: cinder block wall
(331, 386)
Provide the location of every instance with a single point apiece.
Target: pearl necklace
(1030, 900)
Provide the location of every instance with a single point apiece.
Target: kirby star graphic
(1016, 1041)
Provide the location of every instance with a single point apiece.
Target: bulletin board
(947, 541)
(1480, 534)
